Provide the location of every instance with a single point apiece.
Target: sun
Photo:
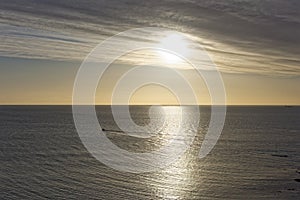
(173, 43)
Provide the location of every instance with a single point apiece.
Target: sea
(256, 157)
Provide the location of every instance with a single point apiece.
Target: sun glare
(176, 43)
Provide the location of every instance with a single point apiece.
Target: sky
(254, 43)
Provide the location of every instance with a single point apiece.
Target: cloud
(243, 36)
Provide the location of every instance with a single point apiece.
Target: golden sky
(254, 45)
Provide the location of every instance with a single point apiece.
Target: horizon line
(149, 105)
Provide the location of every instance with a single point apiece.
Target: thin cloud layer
(242, 36)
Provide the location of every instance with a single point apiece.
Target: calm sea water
(256, 157)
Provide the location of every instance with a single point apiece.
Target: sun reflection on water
(177, 180)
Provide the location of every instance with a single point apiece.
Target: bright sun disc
(176, 43)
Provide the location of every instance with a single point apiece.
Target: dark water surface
(256, 157)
